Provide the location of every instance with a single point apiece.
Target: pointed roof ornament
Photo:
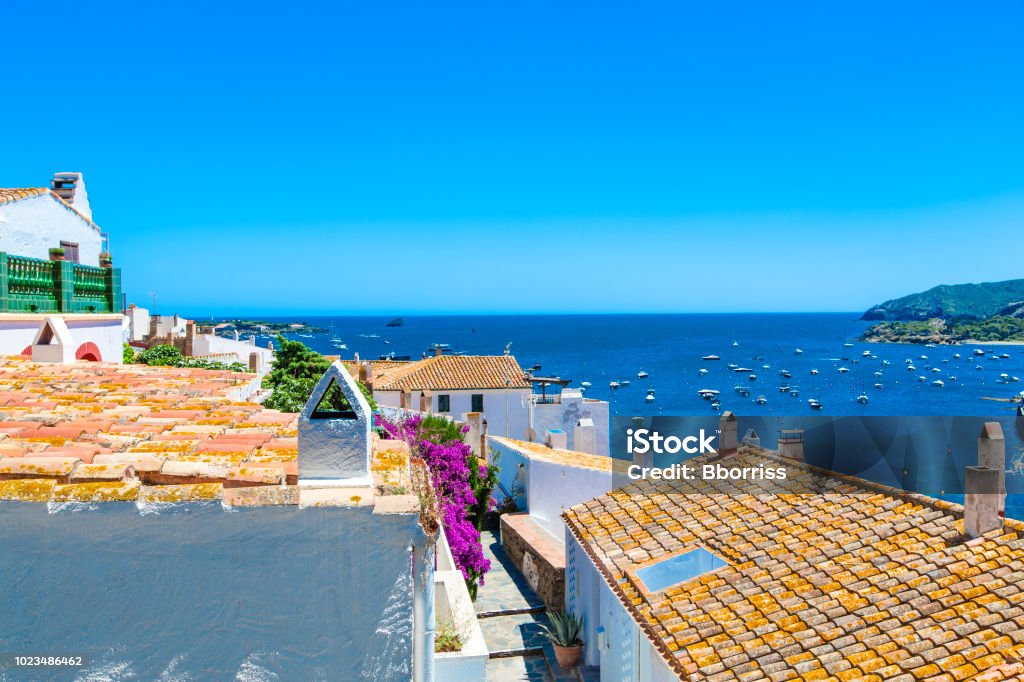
(53, 342)
(334, 432)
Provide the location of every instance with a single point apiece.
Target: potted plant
(56, 253)
(105, 260)
(563, 630)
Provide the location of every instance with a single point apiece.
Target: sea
(600, 349)
(819, 351)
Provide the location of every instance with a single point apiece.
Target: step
(514, 635)
(518, 669)
(512, 612)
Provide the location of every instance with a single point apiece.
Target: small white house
(34, 220)
(455, 385)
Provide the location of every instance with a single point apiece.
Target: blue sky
(411, 157)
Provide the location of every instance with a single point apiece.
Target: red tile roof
(452, 372)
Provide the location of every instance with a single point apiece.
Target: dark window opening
(333, 404)
(477, 400)
(444, 403)
(70, 251)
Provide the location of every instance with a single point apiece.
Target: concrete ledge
(539, 556)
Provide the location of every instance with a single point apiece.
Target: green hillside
(953, 301)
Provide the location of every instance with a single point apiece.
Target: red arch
(28, 351)
(89, 351)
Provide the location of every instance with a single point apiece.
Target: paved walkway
(510, 616)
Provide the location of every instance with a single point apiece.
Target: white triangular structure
(334, 447)
(53, 342)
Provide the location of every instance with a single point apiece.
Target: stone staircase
(510, 615)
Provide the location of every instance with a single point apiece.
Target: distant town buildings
(513, 403)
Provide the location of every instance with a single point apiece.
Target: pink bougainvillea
(449, 463)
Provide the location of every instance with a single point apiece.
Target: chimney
(751, 438)
(985, 484)
(791, 444)
(557, 439)
(334, 444)
(728, 431)
(71, 188)
(438, 351)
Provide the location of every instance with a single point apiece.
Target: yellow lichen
(27, 490)
(118, 491)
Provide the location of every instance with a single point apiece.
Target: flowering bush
(462, 484)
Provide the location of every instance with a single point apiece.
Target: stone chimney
(985, 484)
(791, 444)
(728, 432)
(71, 188)
(438, 351)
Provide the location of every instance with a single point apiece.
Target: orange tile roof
(452, 372)
(9, 194)
(12, 194)
(92, 432)
(830, 578)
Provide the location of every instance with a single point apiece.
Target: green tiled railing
(31, 285)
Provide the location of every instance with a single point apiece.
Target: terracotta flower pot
(568, 656)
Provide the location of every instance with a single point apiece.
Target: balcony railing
(31, 285)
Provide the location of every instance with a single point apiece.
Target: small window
(444, 403)
(678, 569)
(70, 251)
(477, 400)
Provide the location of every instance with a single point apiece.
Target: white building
(34, 220)
(55, 274)
(565, 419)
(455, 385)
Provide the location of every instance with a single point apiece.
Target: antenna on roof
(508, 348)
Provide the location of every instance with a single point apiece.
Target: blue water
(603, 348)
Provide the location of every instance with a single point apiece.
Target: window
(477, 400)
(70, 251)
(444, 403)
(678, 569)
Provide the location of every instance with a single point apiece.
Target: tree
(296, 370)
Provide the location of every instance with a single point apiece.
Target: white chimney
(70, 186)
(791, 444)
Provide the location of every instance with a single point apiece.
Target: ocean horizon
(602, 348)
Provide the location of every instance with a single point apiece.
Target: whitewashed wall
(565, 415)
(31, 227)
(210, 344)
(197, 593)
(461, 403)
(553, 488)
(549, 488)
(106, 331)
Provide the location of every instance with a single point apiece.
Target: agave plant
(563, 628)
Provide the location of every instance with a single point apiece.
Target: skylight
(678, 569)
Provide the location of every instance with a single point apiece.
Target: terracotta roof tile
(453, 372)
(831, 578)
(180, 433)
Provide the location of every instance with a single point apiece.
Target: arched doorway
(89, 351)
